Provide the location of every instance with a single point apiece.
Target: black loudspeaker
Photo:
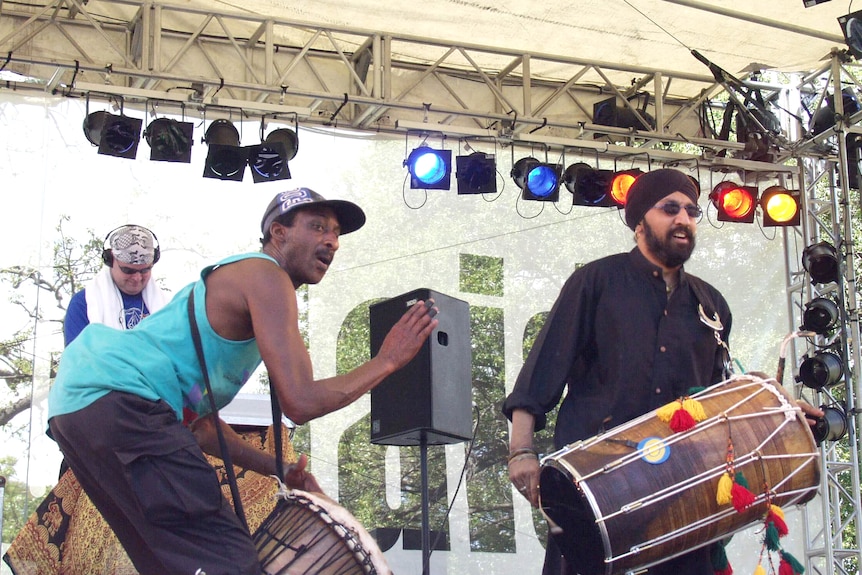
(432, 395)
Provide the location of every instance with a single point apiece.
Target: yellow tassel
(725, 485)
(666, 412)
(759, 570)
(777, 510)
(695, 408)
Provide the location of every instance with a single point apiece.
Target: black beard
(666, 250)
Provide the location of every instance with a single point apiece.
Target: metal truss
(833, 543)
(221, 63)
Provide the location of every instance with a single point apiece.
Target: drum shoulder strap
(698, 286)
(704, 298)
(225, 453)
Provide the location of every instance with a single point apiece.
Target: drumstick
(779, 374)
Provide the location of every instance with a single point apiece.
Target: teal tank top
(157, 359)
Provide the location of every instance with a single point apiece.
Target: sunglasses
(673, 208)
(143, 272)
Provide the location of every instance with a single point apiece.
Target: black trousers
(145, 473)
(697, 562)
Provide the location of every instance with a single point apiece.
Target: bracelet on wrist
(522, 456)
(523, 451)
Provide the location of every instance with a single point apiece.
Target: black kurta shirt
(623, 347)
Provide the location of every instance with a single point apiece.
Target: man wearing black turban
(625, 337)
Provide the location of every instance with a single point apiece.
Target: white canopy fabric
(738, 35)
(594, 46)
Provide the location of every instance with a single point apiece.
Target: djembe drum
(309, 534)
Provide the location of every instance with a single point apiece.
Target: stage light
(824, 117)
(851, 27)
(735, 203)
(288, 138)
(607, 113)
(589, 186)
(820, 316)
(225, 158)
(820, 260)
(539, 181)
(620, 184)
(854, 143)
(821, 370)
(170, 140)
(429, 169)
(114, 135)
(832, 426)
(781, 207)
(269, 159)
(476, 173)
(93, 124)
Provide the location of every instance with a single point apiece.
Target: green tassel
(718, 557)
(771, 537)
(695, 389)
(791, 560)
(739, 479)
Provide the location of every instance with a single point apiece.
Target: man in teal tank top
(118, 416)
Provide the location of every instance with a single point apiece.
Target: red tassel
(778, 522)
(784, 568)
(741, 497)
(682, 420)
(726, 571)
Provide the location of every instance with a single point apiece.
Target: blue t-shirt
(134, 310)
(157, 359)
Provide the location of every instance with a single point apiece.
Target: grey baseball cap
(350, 216)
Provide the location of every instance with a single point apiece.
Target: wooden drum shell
(611, 510)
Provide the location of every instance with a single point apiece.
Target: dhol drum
(309, 534)
(639, 493)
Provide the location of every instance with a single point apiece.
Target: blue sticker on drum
(654, 449)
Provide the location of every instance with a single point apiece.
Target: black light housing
(851, 27)
(430, 169)
(269, 159)
(116, 136)
(589, 186)
(820, 260)
(226, 160)
(607, 113)
(476, 173)
(820, 316)
(734, 202)
(170, 140)
(821, 370)
(538, 181)
(832, 426)
(93, 124)
(781, 207)
(824, 117)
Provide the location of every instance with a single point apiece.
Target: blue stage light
(429, 169)
(539, 181)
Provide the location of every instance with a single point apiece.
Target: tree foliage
(73, 263)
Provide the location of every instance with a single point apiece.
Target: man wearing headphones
(121, 294)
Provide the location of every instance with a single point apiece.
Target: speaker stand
(426, 527)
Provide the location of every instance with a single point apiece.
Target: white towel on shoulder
(105, 304)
